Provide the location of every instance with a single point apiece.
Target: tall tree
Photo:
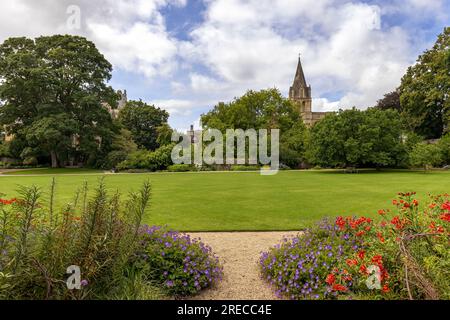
(53, 89)
(390, 100)
(356, 138)
(265, 109)
(145, 122)
(424, 92)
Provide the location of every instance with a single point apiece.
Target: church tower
(300, 92)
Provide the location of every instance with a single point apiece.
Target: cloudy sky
(186, 55)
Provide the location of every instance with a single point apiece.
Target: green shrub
(181, 265)
(38, 244)
(244, 168)
(156, 160)
(444, 145)
(181, 168)
(425, 155)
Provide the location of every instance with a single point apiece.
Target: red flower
(339, 287)
(340, 222)
(446, 206)
(397, 222)
(432, 226)
(363, 269)
(415, 203)
(361, 254)
(380, 237)
(386, 288)
(352, 262)
(8, 202)
(381, 212)
(446, 217)
(377, 259)
(330, 279)
(360, 234)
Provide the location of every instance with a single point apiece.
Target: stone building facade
(300, 93)
(123, 99)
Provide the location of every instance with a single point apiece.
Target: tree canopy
(52, 90)
(356, 138)
(265, 109)
(148, 124)
(424, 92)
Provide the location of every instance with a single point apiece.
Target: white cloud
(242, 44)
(343, 46)
(142, 48)
(131, 33)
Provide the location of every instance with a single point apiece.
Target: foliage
(244, 168)
(159, 159)
(53, 88)
(265, 109)
(297, 268)
(181, 265)
(406, 255)
(425, 155)
(164, 132)
(355, 137)
(390, 100)
(424, 90)
(410, 249)
(122, 146)
(4, 149)
(147, 124)
(38, 244)
(181, 168)
(444, 146)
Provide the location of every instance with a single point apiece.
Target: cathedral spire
(300, 80)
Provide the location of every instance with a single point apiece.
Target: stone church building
(300, 93)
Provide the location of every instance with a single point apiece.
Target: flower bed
(181, 265)
(103, 237)
(406, 255)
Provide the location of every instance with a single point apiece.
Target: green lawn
(48, 171)
(248, 201)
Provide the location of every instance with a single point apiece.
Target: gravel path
(239, 253)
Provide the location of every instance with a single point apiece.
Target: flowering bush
(408, 251)
(405, 255)
(183, 266)
(38, 243)
(298, 268)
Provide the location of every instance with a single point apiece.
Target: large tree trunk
(55, 163)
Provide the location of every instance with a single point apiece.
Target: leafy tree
(4, 149)
(424, 92)
(355, 138)
(159, 159)
(143, 121)
(122, 146)
(444, 146)
(164, 134)
(265, 109)
(293, 145)
(425, 155)
(391, 100)
(53, 89)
